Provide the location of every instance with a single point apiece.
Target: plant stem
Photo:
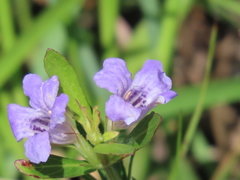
(111, 173)
(196, 116)
(130, 167)
(86, 151)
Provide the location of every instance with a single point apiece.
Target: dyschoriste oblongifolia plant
(59, 114)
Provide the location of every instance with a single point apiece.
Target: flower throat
(136, 98)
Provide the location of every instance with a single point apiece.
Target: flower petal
(63, 133)
(38, 148)
(49, 91)
(19, 121)
(114, 76)
(152, 81)
(166, 96)
(58, 110)
(118, 109)
(32, 86)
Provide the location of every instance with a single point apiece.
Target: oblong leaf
(55, 167)
(114, 148)
(142, 134)
(56, 64)
(110, 135)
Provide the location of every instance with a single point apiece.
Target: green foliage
(56, 64)
(114, 149)
(144, 131)
(10, 62)
(85, 38)
(110, 135)
(55, 167)
(227, 10)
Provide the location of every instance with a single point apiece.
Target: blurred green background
(196, 40)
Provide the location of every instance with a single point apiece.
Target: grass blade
(30, 38)
(197, 114)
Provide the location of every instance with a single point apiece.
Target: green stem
(86, 151)
(196, 116)
(130, 167)
(111, 173)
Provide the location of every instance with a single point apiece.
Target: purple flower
(132, 99)
(44, 122)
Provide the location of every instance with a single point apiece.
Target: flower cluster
(132, 99)
(45, 121)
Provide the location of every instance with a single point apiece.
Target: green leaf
(55, 167)
(114, 148)
(56, 64)
(142, 134)
(110, 135)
